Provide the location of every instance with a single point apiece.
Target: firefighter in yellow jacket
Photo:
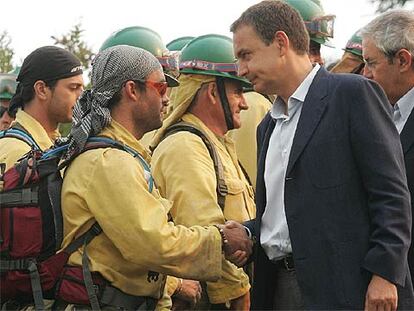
(49, 83)
(138, 245)
(195, 165)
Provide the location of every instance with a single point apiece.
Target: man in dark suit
(333, 207)
(388, 49)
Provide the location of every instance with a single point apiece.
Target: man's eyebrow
(76, 83)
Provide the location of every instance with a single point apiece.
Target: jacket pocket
(235, 206)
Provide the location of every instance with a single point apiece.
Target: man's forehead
(244, 32)
(245, 36)
(369, 49)
(74, 79)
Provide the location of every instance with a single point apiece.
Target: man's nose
(242, 69)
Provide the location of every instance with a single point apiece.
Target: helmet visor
(169, 62)
(321, 26)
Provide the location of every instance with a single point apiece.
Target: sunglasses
(3, 110)
(160, 87)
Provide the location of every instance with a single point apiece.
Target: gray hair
(391, 31)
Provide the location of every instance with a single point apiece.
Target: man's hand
(241, 303)
(190, 291)
(238, 247)
(381, 295)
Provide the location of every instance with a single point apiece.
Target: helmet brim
(171, 81)
(244, 82)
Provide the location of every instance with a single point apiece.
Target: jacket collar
(312, 111)
(36, 130)
(119, 133)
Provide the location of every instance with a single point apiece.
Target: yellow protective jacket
(184, 173)
(12, 149)
(109, 186)
(245, 137)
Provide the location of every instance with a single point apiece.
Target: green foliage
(64, 129)
(6, 52)
(385, 5)
(73, 42)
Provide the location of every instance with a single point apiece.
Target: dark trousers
(287, 295)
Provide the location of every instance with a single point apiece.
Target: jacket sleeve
(184, 171)
(136, 222)
(378, 153)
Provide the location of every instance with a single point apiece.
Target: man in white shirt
(388, 50)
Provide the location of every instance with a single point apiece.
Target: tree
(6, 52)
(73, 42)
(384, 5)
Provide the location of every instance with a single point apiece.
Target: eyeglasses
(160, 87)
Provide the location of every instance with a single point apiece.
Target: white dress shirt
(402, 109)
(274, 232)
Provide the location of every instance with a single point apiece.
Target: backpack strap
(84, 240)
(19, 197)
(221, 188)
(96, 142)
(116, 144)
(29, 264)
(18, 132)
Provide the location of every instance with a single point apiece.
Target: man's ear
(131, 91)
(404, 59)
(212, 92)
(281, 40)
(41, 90)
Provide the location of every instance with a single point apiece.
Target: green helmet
(320, 26)
(15, 70)
(318, 3)
(211, 55)
(179, 43)
(7, 85)
(354, 45)
(149, 40)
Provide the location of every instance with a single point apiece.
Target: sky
(32, 23)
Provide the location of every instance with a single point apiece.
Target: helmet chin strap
(228, 116)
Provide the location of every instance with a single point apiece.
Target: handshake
(237, 245)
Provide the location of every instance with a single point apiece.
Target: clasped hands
(237, 244)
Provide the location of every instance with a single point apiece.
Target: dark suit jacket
(407, 142)
(346, 197)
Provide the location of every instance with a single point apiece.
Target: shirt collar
(278, 108)
(303, 88)
(36, 130)
(119, 133)
(405, 104)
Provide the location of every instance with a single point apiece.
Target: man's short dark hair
(269, 16)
